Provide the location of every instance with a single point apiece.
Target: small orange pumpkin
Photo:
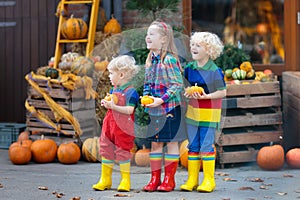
(74, 28)
(109, 97)
(112, 26)
(19, 152)
(145, 100)
(293, 158)
(246, 66)
(193, 89)
(43, 150)
(270, 157)
(142, 157)
(68, 153)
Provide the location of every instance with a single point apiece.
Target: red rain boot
(169, 181)
(155, 176)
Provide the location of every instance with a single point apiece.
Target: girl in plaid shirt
(164, 84)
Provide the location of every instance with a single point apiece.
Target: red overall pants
(117, 137)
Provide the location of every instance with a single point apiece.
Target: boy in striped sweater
(204, 110)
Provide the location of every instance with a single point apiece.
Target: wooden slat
(250, 138)
(252, 120)
(237, 157)
(252, 102)
(251, 89)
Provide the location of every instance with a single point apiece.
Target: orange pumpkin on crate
(74, 28)
(112, 26)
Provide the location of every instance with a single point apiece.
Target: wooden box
(291, 108)
(251, 117)
(73, 101)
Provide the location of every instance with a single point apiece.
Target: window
(256, 26)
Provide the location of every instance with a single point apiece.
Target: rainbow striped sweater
(210, 77)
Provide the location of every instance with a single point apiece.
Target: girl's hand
(156, 102)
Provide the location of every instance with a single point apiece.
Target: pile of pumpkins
(246, 72)
(42, 150)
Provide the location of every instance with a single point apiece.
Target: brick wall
(129, 19)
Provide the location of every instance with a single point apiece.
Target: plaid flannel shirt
(163, 80)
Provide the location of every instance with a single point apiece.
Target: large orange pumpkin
(91, 150)
(19, 152)
(293, 158)
(68, 153)
(270, 157)
(142, 157)
(43, 150)
(74, 28)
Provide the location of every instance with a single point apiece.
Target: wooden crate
(73, 101)
(291, 108)
(251, 115)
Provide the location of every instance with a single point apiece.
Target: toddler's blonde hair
(210, 42)
(125, 64)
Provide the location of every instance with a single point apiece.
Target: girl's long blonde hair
(165, 30)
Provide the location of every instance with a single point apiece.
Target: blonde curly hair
(210, 42)
(125, 64)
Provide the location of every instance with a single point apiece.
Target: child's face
(115, 77)
(154, 39)
(198, 52)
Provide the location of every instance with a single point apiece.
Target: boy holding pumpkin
(117, 136)
(204, 108)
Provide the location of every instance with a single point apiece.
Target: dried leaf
(246, 188)
(122, 195)
(282, 193)
(222, 174)
(43, 188)
(229, 179)
(288, 175)
(59, 195)
(75, 198)
(267, 184)
(263, 187)
(268, 197)
(256, 180)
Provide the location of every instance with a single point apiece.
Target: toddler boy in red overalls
(117, 136)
